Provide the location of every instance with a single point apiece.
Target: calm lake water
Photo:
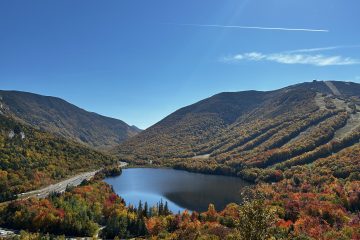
(181, 189)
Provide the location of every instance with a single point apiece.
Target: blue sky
(141, 60)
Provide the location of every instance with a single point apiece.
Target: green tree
(116, 226)
(255, 221)
(146, 210)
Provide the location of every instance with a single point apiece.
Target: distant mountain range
(63, 119)
(248, 134)
(239, 132)
(300, 145)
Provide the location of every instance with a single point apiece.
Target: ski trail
(332, 87)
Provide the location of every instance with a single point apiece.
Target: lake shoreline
(181, 188)
(152, 166)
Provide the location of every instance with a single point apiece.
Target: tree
(255, 221)
(146, 210)
(116, 226)
(166, 209)
(140, 209)
(161, 207)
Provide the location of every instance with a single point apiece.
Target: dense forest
(30, 158)
(313, 201)
(299, 145)
(254, 135)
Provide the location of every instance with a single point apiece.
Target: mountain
(253, 134)
(64, 119)
(299, 143)
(30, 158)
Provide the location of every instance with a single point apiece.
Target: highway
(61, 186)
(58, 188)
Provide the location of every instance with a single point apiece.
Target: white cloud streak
(292, 58)
(306, 50)
(252, 27)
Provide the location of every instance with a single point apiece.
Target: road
(61, 186)
(58, 187)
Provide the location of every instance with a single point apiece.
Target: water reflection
(182, 190)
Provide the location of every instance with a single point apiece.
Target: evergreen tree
(146, 210)
(140, 209)
(161, 208)
(142, 228)
(116, 226)
(166, 209)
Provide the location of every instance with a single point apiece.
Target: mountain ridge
(58, 116)
(30, 158)
(238, 132)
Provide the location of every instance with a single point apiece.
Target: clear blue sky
(139, 60)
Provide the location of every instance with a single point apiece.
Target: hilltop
(63, 119)
(253, 134)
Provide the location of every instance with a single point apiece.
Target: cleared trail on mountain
(320, 102)
(333, 88)
(348, 135)
(302, 134)
(351, 125)
(259, 130)
(286, 137)
(322, 151)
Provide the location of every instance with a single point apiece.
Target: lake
(181, 189)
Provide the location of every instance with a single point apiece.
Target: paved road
(61, 186)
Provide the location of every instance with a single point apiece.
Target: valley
(179, 120)
(295, 151)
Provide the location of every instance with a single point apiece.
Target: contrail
(252, 27)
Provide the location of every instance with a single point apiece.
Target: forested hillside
(300, 145)
(320, 201)
(31, 158)
(64, 119)
(254, 135)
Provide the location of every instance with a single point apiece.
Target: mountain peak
(56, 115)
(247, 120)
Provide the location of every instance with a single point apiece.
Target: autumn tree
(255, 221)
